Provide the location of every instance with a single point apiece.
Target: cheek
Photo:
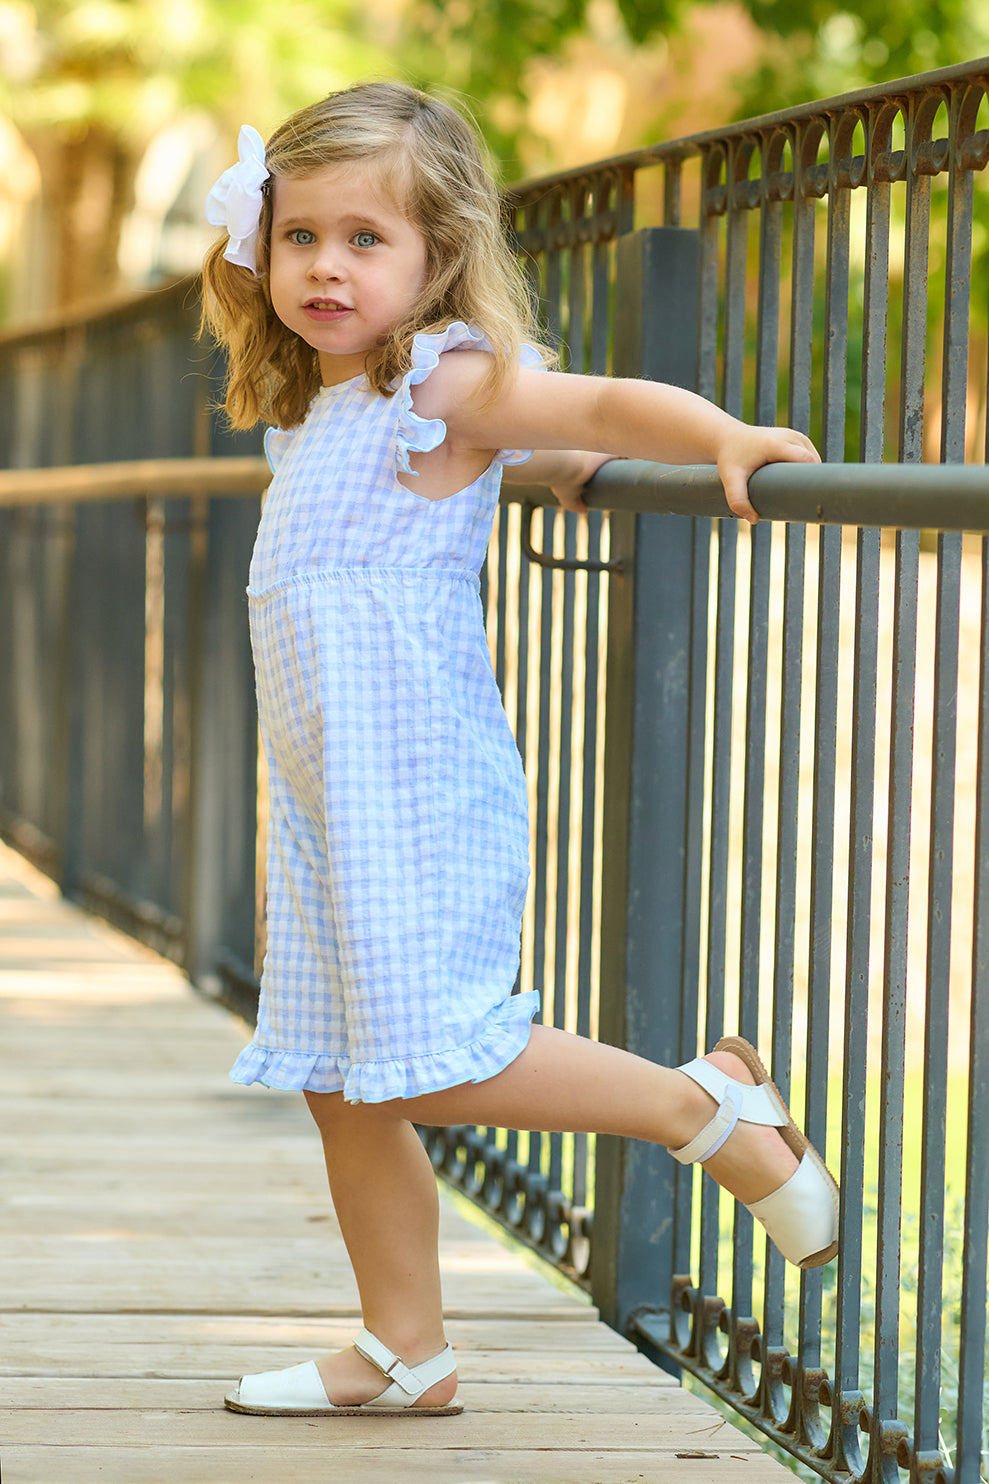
(277, 285)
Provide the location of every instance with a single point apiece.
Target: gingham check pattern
(398, 834)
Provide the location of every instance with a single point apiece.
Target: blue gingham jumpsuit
(398, 843)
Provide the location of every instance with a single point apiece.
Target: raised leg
(384, 1190)
(566, 1082)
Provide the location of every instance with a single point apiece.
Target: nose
(326, 265)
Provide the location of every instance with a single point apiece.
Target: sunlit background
(116, 115)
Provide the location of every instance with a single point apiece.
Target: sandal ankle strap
(413, 1381)
(711, 1137)
(736, 1100)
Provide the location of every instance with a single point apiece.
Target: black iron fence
(757, 760)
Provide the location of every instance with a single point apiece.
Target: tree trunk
(87, 189)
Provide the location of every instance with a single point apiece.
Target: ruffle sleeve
(277, 442)
(420, 434)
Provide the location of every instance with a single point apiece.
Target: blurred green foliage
(819, 48)
(89, 82)
(131, 65)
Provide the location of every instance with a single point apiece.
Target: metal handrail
(953, 497)
(126, 479)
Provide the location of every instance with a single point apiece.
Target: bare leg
(566, 1082)
(385, 1194)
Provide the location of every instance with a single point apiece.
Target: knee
(327, 1108)
(333, 1115)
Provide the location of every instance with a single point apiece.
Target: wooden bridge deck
(162, 1230)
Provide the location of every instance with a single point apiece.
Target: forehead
(349, 188)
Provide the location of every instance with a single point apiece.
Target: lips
(326, 309)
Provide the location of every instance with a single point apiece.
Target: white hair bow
(235, 200)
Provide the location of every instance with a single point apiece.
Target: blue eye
(365, 239)
(302, 237)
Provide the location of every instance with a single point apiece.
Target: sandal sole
(233, 1405)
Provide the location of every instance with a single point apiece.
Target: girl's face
(346, 265)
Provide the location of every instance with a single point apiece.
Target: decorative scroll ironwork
(521, 1199)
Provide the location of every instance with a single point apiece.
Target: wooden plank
(639, 1393)
(669, 1426)
(235, 1464)
(165, 1231)
(223, 1346)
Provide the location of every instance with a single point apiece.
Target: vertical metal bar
(523, 624)
(787, 813)
(707, 341)
(565, 780)
(753, 802)
(915, 259)
(672, 193)
(577, 291)
(768, 324)
(836, 305)
(540, 904)
(753, 820)
(876, 291)
(817, 1062)
(971, 1419)
(199, 923)
(739, 154)
(539, 1144)
(860, 845)
(690, 968)
(957, 291)
(597, 355)
(801, 293)
(805, 1418)
(576, 305)
(931, 1255)
(714, 161)
(719, 855)
(589, 804)
(600, 360)
(889, 1215)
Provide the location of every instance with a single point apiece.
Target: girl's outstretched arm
(566, 471)
(630, 419)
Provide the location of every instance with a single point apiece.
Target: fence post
(654, 749)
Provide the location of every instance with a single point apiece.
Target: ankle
(413, 1346)
(693, 1109)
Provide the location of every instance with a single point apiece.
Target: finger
(803, 450)
(572, 503)
(737, 494)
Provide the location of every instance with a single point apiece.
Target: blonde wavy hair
(432, 162)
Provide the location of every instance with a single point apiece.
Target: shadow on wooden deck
(163, 1231)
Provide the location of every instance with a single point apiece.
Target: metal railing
(790, 809)
(757, 761)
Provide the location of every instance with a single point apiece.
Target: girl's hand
(569, 491)
(745, 449)
(566, 471)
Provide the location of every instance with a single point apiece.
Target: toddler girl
(374, 315)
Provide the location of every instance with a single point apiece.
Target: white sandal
(801, 1217)
(298, 1391)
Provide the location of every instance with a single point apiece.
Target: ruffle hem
(504, 1037)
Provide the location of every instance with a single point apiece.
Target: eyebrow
(364, 219)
